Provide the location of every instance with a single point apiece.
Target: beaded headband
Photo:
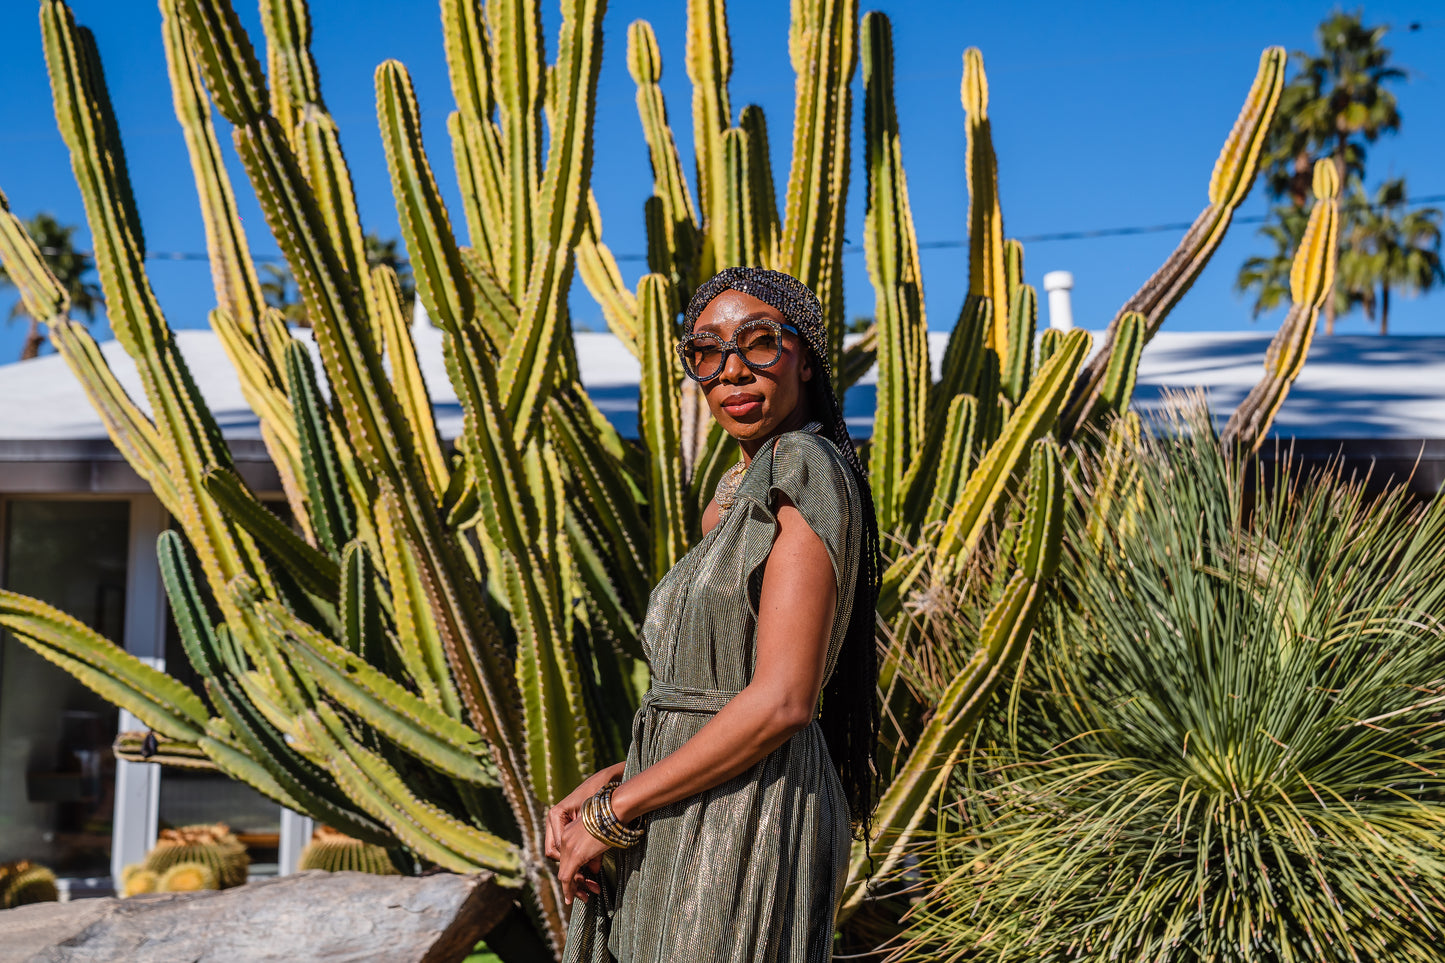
(782, 291)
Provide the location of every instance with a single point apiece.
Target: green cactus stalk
(212, 846)
(337, 852)
(23, 882)
(1311, 280)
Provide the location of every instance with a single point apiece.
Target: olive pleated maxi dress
(752, 869)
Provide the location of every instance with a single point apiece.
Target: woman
(726, 832)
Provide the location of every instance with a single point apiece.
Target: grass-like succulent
(1228, 744)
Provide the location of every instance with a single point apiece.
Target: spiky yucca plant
(1228, 746)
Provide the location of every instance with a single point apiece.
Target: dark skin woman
(741, 767)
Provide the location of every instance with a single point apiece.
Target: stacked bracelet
(602, 823)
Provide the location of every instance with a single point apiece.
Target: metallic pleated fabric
(752, 869)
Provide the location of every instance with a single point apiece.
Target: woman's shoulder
(805, 464)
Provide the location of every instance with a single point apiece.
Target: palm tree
(70, 267)
(1399, 250)
(1336, 100)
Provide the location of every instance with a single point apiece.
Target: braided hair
(849, 713)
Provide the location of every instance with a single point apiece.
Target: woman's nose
(734, 369)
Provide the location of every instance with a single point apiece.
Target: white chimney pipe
(1061, 308)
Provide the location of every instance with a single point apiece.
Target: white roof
(1352, 387)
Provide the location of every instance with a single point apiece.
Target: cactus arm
(658, 424)
(475, 145)
(963, 357)
(41, 292)
(1234, 173)
(381, 791)
(530, 363)
(891, 244)
(518, 77)
(1311, 281)
(441, 281)
(823, 46)
(150, 695)
(933, 484)
(233, 274)
(991, 479)
(905, 804)
(986, 271)
(128, 427)
(764, 208)
(598, 270)
(408, 721)
(669, 183)
(1019, 358)
(407, 379)
(315, 571)
(709, 59)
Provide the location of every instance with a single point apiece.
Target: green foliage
(443, 636)
(23, 882)
(1227, 744)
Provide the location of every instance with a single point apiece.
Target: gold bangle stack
(602, 823)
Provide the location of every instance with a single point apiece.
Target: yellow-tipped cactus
(187, 877)
(1311, 281)
(136, 880)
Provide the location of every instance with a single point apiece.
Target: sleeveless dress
(751, 870)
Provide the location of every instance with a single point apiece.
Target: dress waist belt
(666, 697)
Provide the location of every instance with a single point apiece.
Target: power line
(1086, 235)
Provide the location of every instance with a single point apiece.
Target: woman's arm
(795, 618)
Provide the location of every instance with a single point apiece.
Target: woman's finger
(552, 843)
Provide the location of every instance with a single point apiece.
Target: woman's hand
(566, 811)
(580, 850)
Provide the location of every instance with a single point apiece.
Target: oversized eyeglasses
(759, 343)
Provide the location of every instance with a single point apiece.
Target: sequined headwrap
(850, 729)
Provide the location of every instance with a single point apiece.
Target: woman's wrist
(624, 804)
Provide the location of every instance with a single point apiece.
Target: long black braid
(849, 712)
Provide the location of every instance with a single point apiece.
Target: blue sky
(1105, 115)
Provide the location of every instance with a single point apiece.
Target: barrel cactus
(136, 880)
(213, 846)
(334, 851)
(23, 882)
(188, 877)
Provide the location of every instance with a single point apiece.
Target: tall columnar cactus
(447, 635)
(1311, 279)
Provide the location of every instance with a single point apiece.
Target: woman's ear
(805, 372)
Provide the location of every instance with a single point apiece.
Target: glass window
(57, 794)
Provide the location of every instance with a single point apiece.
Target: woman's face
(754, 405)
